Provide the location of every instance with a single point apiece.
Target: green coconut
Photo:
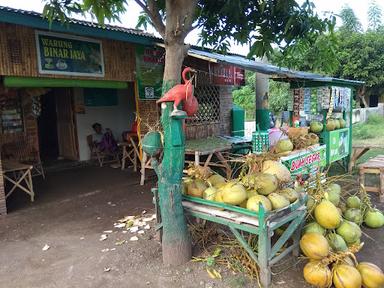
(265, 183)
(337, 123)
(343, 123)
(289, 193)
(335, 188)
(316, 126)
(336, 242)
(313, 227)
(278, 201)
(284, 145)
(374, 218)
(354, 215)
(353, 202)
(310, 203)
(330, 126)
(350, 231)
(333, 196)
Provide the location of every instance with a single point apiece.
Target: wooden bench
(359, 150)
(373, 166)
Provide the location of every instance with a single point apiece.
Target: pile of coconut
(267, 183)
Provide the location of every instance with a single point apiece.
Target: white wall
(118, 118)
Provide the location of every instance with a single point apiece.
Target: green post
(176, 244)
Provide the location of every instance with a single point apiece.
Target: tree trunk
(176, 242)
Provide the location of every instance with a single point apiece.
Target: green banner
(306, 161)
(338, 144)
(69, 55)
(149, 71)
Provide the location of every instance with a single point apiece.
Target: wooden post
(176, 243)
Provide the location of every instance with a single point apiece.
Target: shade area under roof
(278, 73)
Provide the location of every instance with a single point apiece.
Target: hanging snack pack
(307, 100)
(323, 96)
(290, 100)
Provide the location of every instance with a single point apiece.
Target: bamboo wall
(19, 58)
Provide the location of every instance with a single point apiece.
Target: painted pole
(176, 242)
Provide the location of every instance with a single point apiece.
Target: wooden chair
(373, 166)
(103, 157)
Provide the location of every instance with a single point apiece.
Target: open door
(66, 128)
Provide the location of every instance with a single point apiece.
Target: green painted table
(263, 224)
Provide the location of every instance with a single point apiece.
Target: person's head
(97, 127)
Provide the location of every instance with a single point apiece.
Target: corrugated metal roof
(108, 27)
(279, 73)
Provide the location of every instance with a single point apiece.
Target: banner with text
(69, 55)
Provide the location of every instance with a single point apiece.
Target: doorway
(56, 126)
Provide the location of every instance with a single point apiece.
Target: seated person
(104, 139)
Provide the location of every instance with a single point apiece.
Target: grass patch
(370, 132)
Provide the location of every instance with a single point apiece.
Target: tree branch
(153, 12)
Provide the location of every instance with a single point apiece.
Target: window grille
(209, 105)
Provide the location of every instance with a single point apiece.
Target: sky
(129, 19)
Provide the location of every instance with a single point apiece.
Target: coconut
(313, 227)
(337, 123)
(243, 204)
(265, 183)
(210, 193)
(314, 246)
(196, 188)
(317, 274)
(374, 218)
(343, 207)
(372, 275)
(333, 196)
(346, 276)
(284, 145)
(353, 202)
(350, 232)
(276, 168)
(343, 123)
(310, 203)
(336, 242)
(354, 215)
(316, 126)
(215, 179)
(335, 188)
(251, 192)
(326, 215)
(219, 196)
(253, 203)
(233, 193)
(330, 125)
(289, 193)
(278, 201)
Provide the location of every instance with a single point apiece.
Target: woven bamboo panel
(18, 55)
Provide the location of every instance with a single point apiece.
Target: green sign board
(306, 161)
(63, 54)
(149, 71)
(338, 144)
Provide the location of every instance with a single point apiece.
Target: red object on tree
(182, 93)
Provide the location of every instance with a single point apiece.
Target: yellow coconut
(278, 201)
(210, 193)
(317, 274)
(276, 168)
(327, 215)
(251, 192)
(346, 276)
(289, 193)
(265, 183)
(216, 179)
(196, 188)
(314, 245)
(233, 193)
(219, 196)
(253, 203)
(372, 275)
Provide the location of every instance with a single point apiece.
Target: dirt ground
(71, 211)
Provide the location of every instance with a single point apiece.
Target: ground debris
(46, 247)
(103, 237)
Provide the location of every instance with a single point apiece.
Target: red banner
(224, 74)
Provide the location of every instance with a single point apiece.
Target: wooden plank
(232, 216)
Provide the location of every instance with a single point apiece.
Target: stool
(373, 166)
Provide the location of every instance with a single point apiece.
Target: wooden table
(19, 175)
(208, 161)
(130, 153)
(373, 166)
(359, 150)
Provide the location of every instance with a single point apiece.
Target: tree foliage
(350, 23)
(374, 16)
(245, 96)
